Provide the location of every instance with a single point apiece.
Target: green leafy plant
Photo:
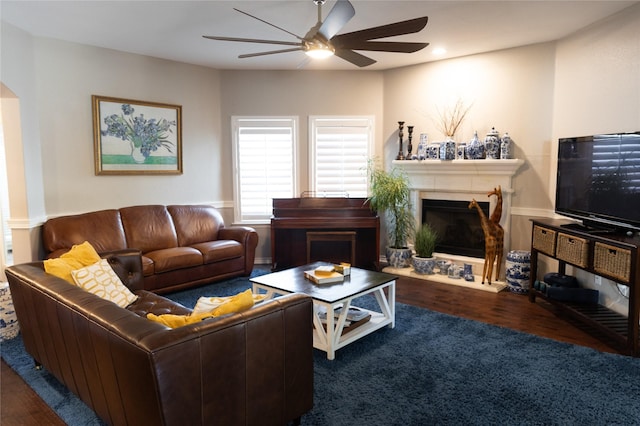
(390, 194)
(425, 240)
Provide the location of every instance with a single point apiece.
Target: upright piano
(297, 223)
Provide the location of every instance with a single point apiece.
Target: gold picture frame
(136, 137)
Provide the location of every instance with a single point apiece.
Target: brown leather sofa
(181, 245)
(250, 368)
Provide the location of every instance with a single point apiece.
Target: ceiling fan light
(319, 53)
(318, 50)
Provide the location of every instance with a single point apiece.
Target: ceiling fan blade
(340, 14)
(398, 28)
(254, 40)
(268, 23)
(271, 52)
(381, 46)
(354, 57)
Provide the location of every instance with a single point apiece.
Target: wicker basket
(544, 240)
(573, 250)
(612, 261)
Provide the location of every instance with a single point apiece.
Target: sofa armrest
(246, 236)
(127, 264)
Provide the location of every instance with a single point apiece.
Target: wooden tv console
(610, 255)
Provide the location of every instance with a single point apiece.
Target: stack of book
(353, 314)
(355, 317)
(324, 275)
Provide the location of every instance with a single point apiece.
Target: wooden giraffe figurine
(494, 220)
(497, 212)
(489, 242)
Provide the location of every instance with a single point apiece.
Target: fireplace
(457, 182)
(459, 229)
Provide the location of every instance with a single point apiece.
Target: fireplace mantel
(461, 180)
(471, 175)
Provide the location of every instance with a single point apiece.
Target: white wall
(22, 141)
(511, 90)
(302, 93)
(68, 74)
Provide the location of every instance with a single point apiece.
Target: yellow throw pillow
(208, 304)
(101, 280)
(238, 303)
(175, 321)
(79, 256)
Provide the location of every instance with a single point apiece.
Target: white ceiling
(173, 29)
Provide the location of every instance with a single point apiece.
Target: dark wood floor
(19, 405)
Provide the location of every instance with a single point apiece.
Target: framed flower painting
(136, 137)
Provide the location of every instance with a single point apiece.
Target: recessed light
(439, 51)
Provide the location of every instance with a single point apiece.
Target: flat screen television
(598, 181)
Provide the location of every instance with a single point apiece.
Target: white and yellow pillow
(101, 280)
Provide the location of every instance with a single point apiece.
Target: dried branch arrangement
(450, 120)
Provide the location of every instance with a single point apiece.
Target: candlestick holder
(400, 135)
(409, 145)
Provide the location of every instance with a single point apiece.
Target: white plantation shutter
(264, 156)
(339, 151)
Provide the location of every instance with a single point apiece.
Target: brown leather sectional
(250, 368)
(181, 245)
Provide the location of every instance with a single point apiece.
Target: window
(264, 156)
(264, 152)
(338, 155)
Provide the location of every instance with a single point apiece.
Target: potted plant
(424, 244)
(390, 194)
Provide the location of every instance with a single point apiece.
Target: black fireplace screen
(458, 227)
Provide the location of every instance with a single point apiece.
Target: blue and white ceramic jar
(399, 258)
(518, 271)
(433, 151)
(475, 148)
(448, 149)
(492, 144)
(422, 146)
(461, 151)
(506, 147)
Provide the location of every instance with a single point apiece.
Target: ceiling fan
(322, 39)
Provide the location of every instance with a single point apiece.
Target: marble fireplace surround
(462, 180)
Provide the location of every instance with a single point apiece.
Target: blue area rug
(431, 369)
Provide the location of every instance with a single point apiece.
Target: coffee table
(331, 335)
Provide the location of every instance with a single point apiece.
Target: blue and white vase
(506, 147)
(399, 258)
(422, 146)
(492, 144)
(433, 151)
(475, 148)
(461, 151)
(518, 271)
(448, 149)
(423, 265)
(467, 272)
